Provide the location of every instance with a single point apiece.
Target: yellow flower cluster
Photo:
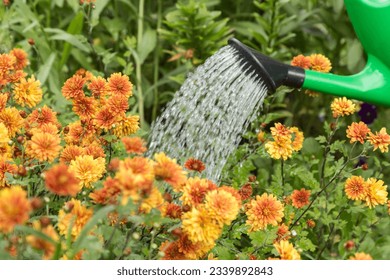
(372, 191)
(286, 140)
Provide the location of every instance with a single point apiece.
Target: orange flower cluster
(372, 191)
(208, 209)
(359, 132)
(286, 140)
(316, 62)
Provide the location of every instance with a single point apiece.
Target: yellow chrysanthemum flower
(222, 206)
(361, 256)
(78, 216)
(127, 126)
(195, 190)
(87, 169)
(28, 92)
(287, 251)
(168, 170)
(12, 120)
(154, 200)
(279, 150)
(376, 194)
(199, 226)
(342, 107)
(4, 139)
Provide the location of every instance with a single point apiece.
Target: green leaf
(61, 35)
(39, 234)
(75, 27)
(46, 68)
(147, 45)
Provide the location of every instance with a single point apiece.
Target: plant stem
(138, 70)
(282, 171)
(156, 62)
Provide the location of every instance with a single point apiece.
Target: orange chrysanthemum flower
(195, 190)
(199, 226)
(118, 104)
(300, 198)
(136, 176)
(14, 208)
(12, 120)
(168, 170)
(170, 251)
(46, 128)
(283, 233)
(280, 132)
(108, 194)
(287, 251)
(194, 165)
(43, 146)
(7, 63)
(61, 181)
(87, 169)
(301, 61)
(77, 217)
(232, 191)
(73, 87)
(85, 107)
(222, 206)
(120, 85)
(70, 153)
(356, 188)
(42, 116)
(47, 247)
(126, 126)
(134, 145)
(21, 58)
(342, 107)
(95, 150)
(98, 87)
(191, 250)
(245, 191)
(27, 92)
(320, 63)
(172, 210)
(376, 193)
(357, 132)
(261, 136)
(380, 140)
(263, 211)
(361, 256)
(105, 119)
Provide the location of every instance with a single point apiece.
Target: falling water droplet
(209, 113)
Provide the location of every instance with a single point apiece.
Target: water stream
(210, 112)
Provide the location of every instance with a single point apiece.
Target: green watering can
(371, 21)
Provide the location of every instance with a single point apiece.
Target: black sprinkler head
(273, 73)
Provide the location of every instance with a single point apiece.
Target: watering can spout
(370, 19)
